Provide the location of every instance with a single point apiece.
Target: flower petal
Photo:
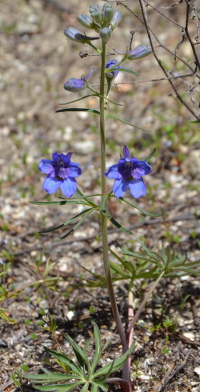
(68, 187)
(120, 187)
(75, 170)
(51, 184)
(46, 166)
(126, 152)
(145, 167)
(137, 187)
(113, 172)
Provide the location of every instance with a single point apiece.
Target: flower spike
(61, 172)
(128, 173)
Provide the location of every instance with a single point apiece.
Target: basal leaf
(78, 110)
(126, 122)
(50, 377)
(67, 361)
(118, 363)
(80, 354)
(97, 354)
(60, 388)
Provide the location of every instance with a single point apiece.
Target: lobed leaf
(60, 388)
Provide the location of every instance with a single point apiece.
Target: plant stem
(103, 218)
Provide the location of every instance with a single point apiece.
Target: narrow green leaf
(97, 354)
(126, 70)
(65, 223)
(117, 363)
(77, 224)
(95, 387)
(60, 388)
(126, 122)
(50, 377)
(120, 227)
(80, 355)
(78, 110)
(79, 99)
(119, 270)
(150, 156)
(59, 203)
(98, 384)
(139, 208)
(67, 361)
(85, 387)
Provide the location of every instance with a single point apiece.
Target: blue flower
(137, 53)
(75, 35)
(75, 85)
(112, 74)
(128, 174)
(60, 173)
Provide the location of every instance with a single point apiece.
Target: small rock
(192, 164)
(84, 147)
(197, 370)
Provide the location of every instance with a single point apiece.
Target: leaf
(97, 354)
(140, 209)
(126, 70)
(120, 227)
(78, 110)
(77, 224)
(59, 203)
(97, 384)
(117, 363)
(65, 223)
(119, 270)
(67, 361)
(80, 355)
(79, 99)
(126, 122)
(50, 377)
(60, 388)
(151, 155)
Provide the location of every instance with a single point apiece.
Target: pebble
(84, 147)
(192, 164)
(197, 370)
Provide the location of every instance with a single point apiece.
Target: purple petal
(113, 172)
(46, 166)
(126, 152)
(137, 188)
(50, 184)
(145, 167)
(68, 187)
(137, 173)
(75, 170)
(90, 74)
(120, 187)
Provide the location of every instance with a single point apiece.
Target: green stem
(103, 218)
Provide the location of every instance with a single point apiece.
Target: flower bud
(108, 13)
(95, 13)
(112, 74)
(137, 53)
(115, 20)
(77, 36)
(85, 21)
(105, 34)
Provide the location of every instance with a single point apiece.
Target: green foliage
(82, 373)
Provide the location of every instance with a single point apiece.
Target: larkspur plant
(128, 174)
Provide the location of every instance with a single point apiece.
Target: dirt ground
(36, 60)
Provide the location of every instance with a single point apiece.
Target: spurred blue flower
(75, 35)
(137, 53)
(75, 85)
(61, 172)
(128, 173)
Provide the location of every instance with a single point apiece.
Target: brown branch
(188, 35)
(161, 65)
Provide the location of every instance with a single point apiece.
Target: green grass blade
(77, 224)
